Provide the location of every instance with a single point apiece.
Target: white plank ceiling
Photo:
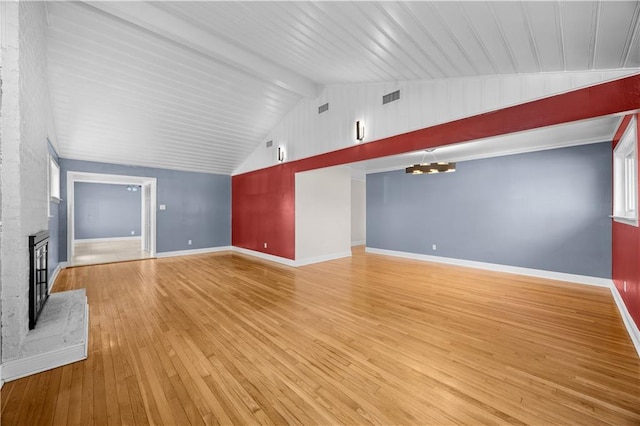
(198, 85)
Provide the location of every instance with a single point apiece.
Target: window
(625, 177)
(54, 180)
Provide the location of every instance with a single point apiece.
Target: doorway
(105, 250)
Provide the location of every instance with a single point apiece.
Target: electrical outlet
(133, 232)
(265, 245)
(189, 242)
(625, 287)
(433, 247)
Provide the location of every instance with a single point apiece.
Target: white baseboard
(192, 251)
(561, 276)
(630, 325)
(358, 243)
(105, 240)
(318, 259)
(265, 256)
(54, 276)
(290, 262)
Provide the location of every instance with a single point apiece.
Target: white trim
(626, 220)
(270, 257)
(289, 262)
(629, 324)
(143, 216)
(192, 251)
(106, 240)
(53, 197)
(358, 243)
(1, 379)
(74, 176)
(19, 368)
(323, 258)
(579, 279)
(625, 183)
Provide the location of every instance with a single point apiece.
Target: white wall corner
(323, 258)
(628, 321)
(358, 243)
(323, 213)
(265, 256)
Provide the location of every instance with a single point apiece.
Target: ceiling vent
(323, 108)
(390, 97)
(269, 144)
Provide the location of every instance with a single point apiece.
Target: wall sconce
(280, 154)
(359, 130)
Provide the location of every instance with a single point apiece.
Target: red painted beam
(263, 200)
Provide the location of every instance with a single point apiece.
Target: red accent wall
(263, 211)
(263, 204)
(626, 249)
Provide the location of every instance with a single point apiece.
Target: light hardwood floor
(223, 338)
(94, 252)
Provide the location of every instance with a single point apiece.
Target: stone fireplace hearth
(60, 337)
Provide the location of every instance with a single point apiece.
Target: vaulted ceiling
(198, 85)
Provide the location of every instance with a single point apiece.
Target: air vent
(269, 144)
(323, 108)
(390, 97)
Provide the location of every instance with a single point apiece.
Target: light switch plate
(163, 206)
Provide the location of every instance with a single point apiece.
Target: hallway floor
(92, 252)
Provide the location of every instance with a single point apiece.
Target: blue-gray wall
(54, 217)
(544, 210)
(198, 205)
(106, 211)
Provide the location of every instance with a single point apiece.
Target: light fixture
(133, 188)
(280, 154)
(430, 168)
(418, 169)
(359, 130)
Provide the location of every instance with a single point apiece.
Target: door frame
(146, 211)
(73, 177)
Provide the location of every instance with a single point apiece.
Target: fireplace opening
(38, 275)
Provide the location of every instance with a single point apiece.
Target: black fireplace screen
(39, 275)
